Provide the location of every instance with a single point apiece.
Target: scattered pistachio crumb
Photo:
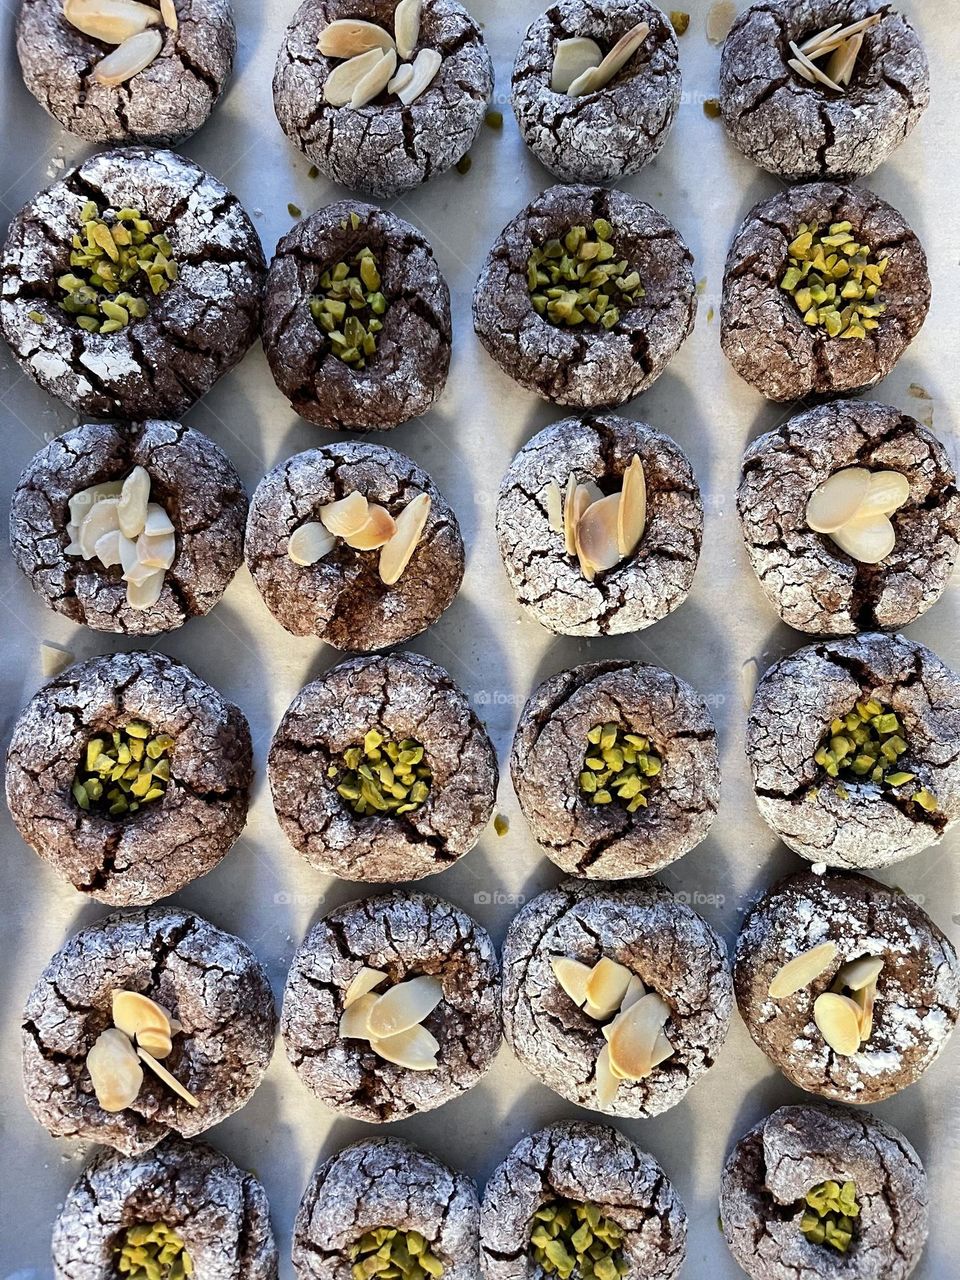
(581, 280)
(383, 776)
(829, 1216)
(122, 769)
(702, 285)
(711, 109)
(152, 1251)
(313, 172)
(501, 824)
(464, 164)
(680, 21)
(618, 765)
(37, 317)
(294, 210)
(918, 392)
(710, 314)
(493, 119)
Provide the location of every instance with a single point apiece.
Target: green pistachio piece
(382, 775)
(819, 261)
(348, 303)
(579, 279)
(139, 769)
(152, 1251)
(388, 1253)
(829, 1214)
(618, 765)
(570, 1239)
(863, 745)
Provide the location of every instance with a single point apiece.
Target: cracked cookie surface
(162, 105)
(191, 477)
(662, 941)
(861, 824)
(147, 855)
(384, 148)
(800, 130)
(763, 333)
(918, 991)
(193, 333)
(813, 584)
(219, 1211)
(773, 1166)
(404, 935)
(605, 841)
(584, 366)
(408, 372)
(385, 1182)
(408, 697)
(583, 1163)
(341, 598)
(210, 981)
(638, 591)
(601, 136)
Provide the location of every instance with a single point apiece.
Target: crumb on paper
(711, 108)
(918, 392)
(720, 18)
(54, 658)
(679, 20)
(501, 824)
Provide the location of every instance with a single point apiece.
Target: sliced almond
(168, 1079)
(801, 70)
(81, 503)
(157, 521)
(814, 42)
(632, 509)
(662, 1050)
(618, 57)
(129, 58)
(635, 990)
(133, 570)
(348, 37)
(571, 59)
(607, 985)
(570, 516)
(635, 1036)
(856, 974)
(888, 491)
(597, 547)
(110, 21)
(837, 499)
(145, 593)
(838, 1018)
(607, 1082)
(837, 34)
(364, 982)
(168, 12)
(355, 1021)
(425, 67)
(346, 515)
(102, 518)
(869, 539)
(402, 77)
(864, 1000)
(310, 543)
(416, 1049)
(406, 26)
(404, 1006)
(379, 528)
(114, 1070)
(395, 554)
(54, 659)
(134, 1013)
(107, 549)
(802, 970)
(339, 86)
(134, 500)
(375, 81)
(554, 504)
(843, 60)
(812, 67)
(721, 16)
(572, 976)
(157, 553)
(157, 1043)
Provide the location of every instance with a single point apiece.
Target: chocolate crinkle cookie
(130, 776)
(851, 518)
(855, 750)
(183, 1203)
(588, 1191)
(188, 493)
(356, 324)
(638, 580)
(586, 296)
(355, 544)
(392, 1006)
(385, 1194)
(784, 109)
(599, 1008)
(380, 770)
(186, 48)
(610, 125)
(825, 287)
(86, 1072)
(826, 1192)
(616, 769)
(131, 285)
(847, 985)
(408, 113)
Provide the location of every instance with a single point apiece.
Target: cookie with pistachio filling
(131, 285)
(384, 1198)
(586, 296)
(581, 1200)
(813, 89)
(853, 745)
(825, 287)
(182, 1207)
(824, 1191)
(357, 319)
(130, 776)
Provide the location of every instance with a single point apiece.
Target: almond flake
(837, 500)
(632, 509)
(169, 1080)
(868, 539)
(310, 543)
(838, 1018)
(404, 75)
(379, 528)
(107, 549)
(634, 1036)
(554, 504)
(110, 21)
(607, 985)
(406, 26)
(168, 12)
(814, 42)
(134, 1013)
(802, 970)
(348, 37)
(156, 553)
(720, 18)
(599, 77)
(54, 659)
(364, 982)
(346, 515)
(801, 70)
(888, 491)
(572, 976)
(856, 974)
(128, 59)
(597, 536)
(425, 67)
(416, 1049)
(607, 1082)
(404, 1006)
(114, 1070)
(81, 503)
(662, 1050)
(395, 554)
(157, 1043)
(339, 86)
(375, 81)
(157, 521)
(814, 69)
(570, 516)
(843, 59)
(102, 518)
(355, 1021)
(634, 991)
(864, 1000)
(571, 59)
(145, 593)
(134, 499)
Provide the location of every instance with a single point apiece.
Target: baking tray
(262, 890)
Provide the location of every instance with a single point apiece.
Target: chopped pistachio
(574, 1239)
(834, 281)
(829, 1216)
(501, 824)
(122, 769)
(382, 775)
(711, 108)
(618, 765)
(864, 746)
(294, 210)
(152, 1251)
(464, 165)
(394, 1255)
(313, 172)
(679, 21)
(37, 317)
(580, 280)
(493, 119)
(349, 307)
